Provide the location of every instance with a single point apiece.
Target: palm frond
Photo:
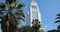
(59, 26)
(20, 6)
(12, 8)
(10, 1)
(2, 5)
(15, 1)
(58, 18)
(21, 18)
(57, 21)
(1, 13)
(58, 14)
(20, 13)
(16, 21)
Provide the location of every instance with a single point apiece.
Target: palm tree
(10, 21)
(58, 21)
(2, 10)
(36, 25)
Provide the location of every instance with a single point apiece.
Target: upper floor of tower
(33, 3)
(34, 6)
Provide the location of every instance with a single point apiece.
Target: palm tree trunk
(4, 25)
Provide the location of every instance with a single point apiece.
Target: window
(34, 8)
(34, 15)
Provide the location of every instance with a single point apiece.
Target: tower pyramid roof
(33, 2)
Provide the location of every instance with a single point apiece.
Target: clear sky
(48, 10)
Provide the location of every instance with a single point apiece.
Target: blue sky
(48, 10)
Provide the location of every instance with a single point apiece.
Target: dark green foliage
(58, 18)
(2, 5)
(26, 29)
(57, 21)
(52, 31)
(58, 14)
(10, 21)
(19, 12)
(36, 25)
(11, 1)
(20, 6)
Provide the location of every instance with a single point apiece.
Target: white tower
(34, 12)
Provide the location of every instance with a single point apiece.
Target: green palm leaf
(36, 24)
(20, 13)
(57, 21)
(20, 6)
(2, 5)
(11, 1)
(10, 17)
(58, 14)
(58, 18)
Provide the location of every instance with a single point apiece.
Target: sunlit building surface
(33, 14)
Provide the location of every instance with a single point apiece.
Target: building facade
(33, 13)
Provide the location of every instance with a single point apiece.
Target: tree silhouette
(58, 21)
(10, 21)
(36, 25)
(26, 29)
